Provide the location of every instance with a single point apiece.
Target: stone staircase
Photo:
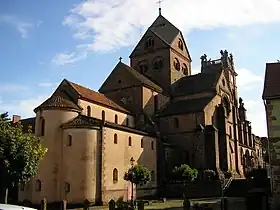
(237, 188)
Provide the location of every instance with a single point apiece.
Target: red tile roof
(272, 81)
(93, 96)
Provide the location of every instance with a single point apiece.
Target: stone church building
(152, 110)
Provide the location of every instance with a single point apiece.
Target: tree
(138, 175)
(4, 117)
(184, 173)
(20, 155)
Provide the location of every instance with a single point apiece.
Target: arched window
(69, 141)
(38, 185)
(88, 111)
(149, 43)
(115, 175)
(152, 145)
(180, 44)
(143, 66)
(158, 63)
(66, 187)
(103, 115)
(185, 69)
(115, 138)
(42, 126)
(116, 119)
(142, 143)
(176, 64)
(176, 122)
(153, 178)
(129, 141)
(226, 106)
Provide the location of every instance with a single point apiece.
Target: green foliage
(20, 153)
(184, 173)
(138, 175)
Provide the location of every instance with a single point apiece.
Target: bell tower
(162, 54)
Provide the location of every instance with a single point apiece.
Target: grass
(169, 204)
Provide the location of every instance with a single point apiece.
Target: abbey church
(152, 111)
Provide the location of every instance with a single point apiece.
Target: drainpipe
(268, 149)
(99, 180)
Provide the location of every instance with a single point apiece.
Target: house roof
(185, 106)
(198, 83)
(271, 81)
(88, 94)
(26, 123)
(60, 100)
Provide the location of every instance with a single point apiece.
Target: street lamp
(131, 171)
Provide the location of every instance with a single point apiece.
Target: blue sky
(42, 42)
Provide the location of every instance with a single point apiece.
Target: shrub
(209, 175)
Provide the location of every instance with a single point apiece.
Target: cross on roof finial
(159, 5)
(120, 59)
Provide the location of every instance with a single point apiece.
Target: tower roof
(164, 29)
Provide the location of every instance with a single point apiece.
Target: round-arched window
(176, 64)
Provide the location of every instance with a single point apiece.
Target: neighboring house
(271, 97)
(154, 111)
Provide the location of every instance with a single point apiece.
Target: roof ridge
(80, 86)
(109, 102)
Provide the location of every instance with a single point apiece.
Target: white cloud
(195, 70)
(12, 87)
(66, 58)
(20, 25)
(110, 24)
(247, 79)
(24, 108)
(256, 114)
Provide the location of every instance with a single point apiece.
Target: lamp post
(131, 171)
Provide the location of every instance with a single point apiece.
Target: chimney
(16, 119)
